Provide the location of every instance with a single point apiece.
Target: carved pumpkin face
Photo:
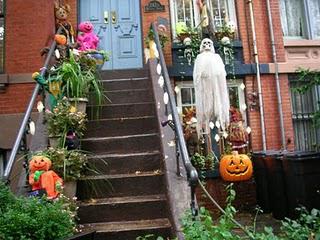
(39, 163)
(236, 167)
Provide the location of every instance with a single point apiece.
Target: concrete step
(127, 110)
(123, 209)
(121, 74)
(122, 144)
(120, 185)
(130, 230)
(125, 163)
(126, 96)
(121, 126)
(126, 83)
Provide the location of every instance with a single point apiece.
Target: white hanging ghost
(211, 92)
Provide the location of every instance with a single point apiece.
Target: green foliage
(62, 119)
(149, 237)
(33, 219)
(163, 37)
(202, 162)
(203, 227)
(305, 227)
(79, 76)
(70, 165)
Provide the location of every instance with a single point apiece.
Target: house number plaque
(154, 6)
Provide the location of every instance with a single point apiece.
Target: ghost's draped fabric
(212, 100)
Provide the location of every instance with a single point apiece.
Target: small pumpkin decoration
(41, 177)
(60, 39)
(235, 167)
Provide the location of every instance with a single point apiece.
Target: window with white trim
(222, 11)
(300, 18)
(186, 96)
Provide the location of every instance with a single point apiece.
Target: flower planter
(70, 189)
(54, 141)
(79, 103)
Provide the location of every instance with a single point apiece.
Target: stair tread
(120, 137)
(121, 200)
(130, 225)
(121, 104)
(121, 118)
(124, 79)
(124, 175)
(127, 90)
(122, 155)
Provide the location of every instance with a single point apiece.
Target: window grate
(307, 135)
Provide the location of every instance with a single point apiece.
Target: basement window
(300, 19)
(186, 96)
(306, 134)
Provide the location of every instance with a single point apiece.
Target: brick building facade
(29, 26)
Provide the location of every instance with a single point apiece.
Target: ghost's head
(206, 45)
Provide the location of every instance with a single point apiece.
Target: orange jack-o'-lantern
(235, 167)
(38, 163)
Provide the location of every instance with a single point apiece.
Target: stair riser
(123, 74)
(121, 111)
(122, 145)
(120, 187)
(126, 84)
(120, 127)
(132, 235)
(122, 212)
(125, 165)
(132, 96)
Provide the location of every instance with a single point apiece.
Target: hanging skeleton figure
(212, 100)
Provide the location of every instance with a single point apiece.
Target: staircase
(127, 198)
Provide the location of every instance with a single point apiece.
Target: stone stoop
(126, 196)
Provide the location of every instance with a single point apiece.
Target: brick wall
(245, 195)
(267, 81)
(15, 98)
(29, 28)
(148, 18)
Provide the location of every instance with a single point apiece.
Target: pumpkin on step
(236, 167)
(40, 177)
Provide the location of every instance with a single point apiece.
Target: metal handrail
(192, 174)
(23, 127)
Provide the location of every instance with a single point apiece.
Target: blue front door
(118, 25)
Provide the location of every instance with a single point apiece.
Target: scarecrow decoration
(62, 12)
(238, 136)
(40, 177)
(212, 99)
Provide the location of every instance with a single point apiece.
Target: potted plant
(62, 119)
(70, 165)
(79, 77)
(225, 30)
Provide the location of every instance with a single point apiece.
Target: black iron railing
(21, 139)
(175, 124)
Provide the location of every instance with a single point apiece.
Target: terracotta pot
(79, 103)
(70, 189)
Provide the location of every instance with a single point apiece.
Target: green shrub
(33, 218)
